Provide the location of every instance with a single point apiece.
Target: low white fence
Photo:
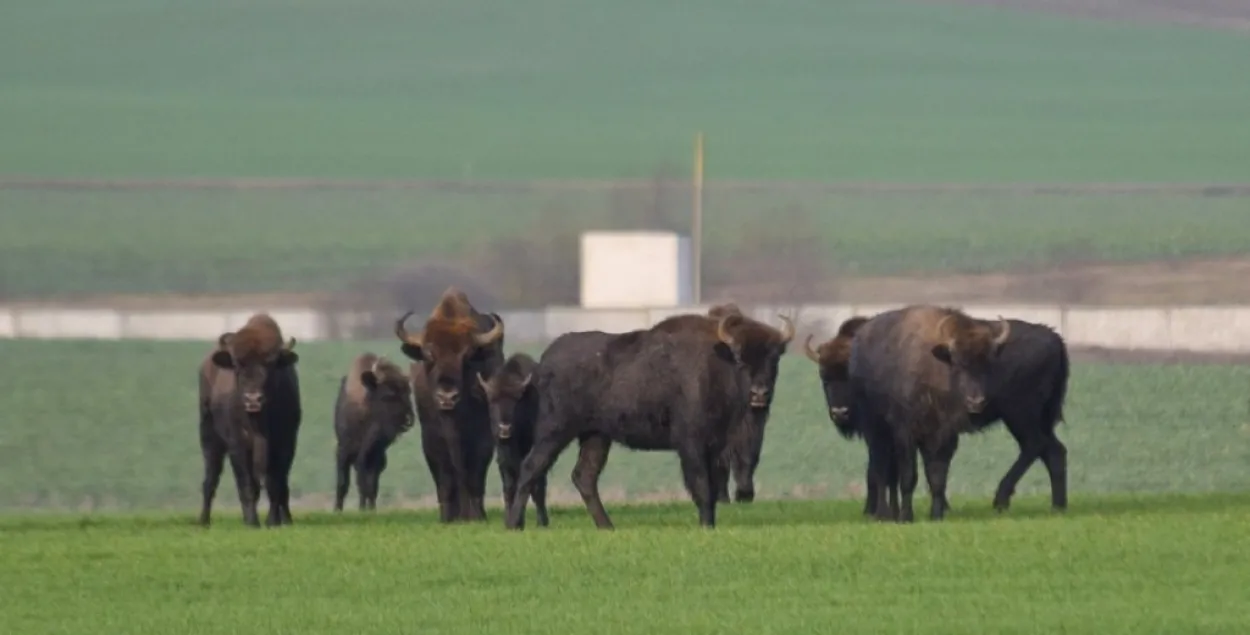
(1190, 328)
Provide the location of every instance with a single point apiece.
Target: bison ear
(369, 380)
(415, 353)
(286, 358)
(943, 353)
(222, 359)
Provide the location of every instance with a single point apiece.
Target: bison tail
(1053, 411)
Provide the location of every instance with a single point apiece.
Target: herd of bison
(908, 382)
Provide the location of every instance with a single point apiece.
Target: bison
(513, 409)
(1027, 387)
(456, 344)
(746, 440)
(916, 375)
(249, 406)
(373, 408)
(648, 390)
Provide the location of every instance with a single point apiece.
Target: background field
(113, 425)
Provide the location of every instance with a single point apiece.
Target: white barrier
(1190, 328)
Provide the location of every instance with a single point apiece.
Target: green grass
(559, 88)
(64, 243)
(1110, 566)
(92, 425)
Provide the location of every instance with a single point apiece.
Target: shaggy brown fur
(373, 409)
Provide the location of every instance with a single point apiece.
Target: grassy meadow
(112, 425)
(835, 90)
(1112, 565)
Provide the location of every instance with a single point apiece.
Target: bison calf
(374, 407)
(513, 409)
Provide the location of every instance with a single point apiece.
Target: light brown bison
(746, 440)
(917, 376)
(373, 408)
(456, 344)
(513, 411)
(249, 407)
(653, 389)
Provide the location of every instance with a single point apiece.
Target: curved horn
(721, 333)
(807, 348)
(290, 345)
(403, 334)
(483, 383)
(526, 382)
(491, 336)
(1002, 335)
(941, 325)
(377, 361)
(787, 332)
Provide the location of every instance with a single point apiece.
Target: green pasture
(1112, 565)
(881, 90)
(104, 425)
(64, 243)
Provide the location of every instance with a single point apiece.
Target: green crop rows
(880, 90)
(113, 425)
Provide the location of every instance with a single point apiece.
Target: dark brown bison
(250, 409)
(513, 411)
(1026, 389)
(648, 390)
(746, 440)
(916, 375)
(373, 408)
(456, 344)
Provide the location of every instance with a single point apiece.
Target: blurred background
(363, 155)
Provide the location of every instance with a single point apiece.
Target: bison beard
(456, 344)
(249, 406)
(916, 375)
(649, 390)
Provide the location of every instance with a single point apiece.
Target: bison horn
(1002, 335)
(525, 382)
(377, 361)
(290, 345)
(483, 383)
(807, 348)
(787, 331)
(941, 325)
(491, 336)
(403, 334)
(721, 333)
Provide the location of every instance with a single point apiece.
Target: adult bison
(513, 410)
(455, 345)
(649, 390)
(746, 440)
(249, 407)
(916, 374)
(373, 408)
(1026, 388)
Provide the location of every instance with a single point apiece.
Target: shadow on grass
(760, 514)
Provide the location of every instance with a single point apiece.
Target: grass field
(61, 243)
(106, 425)
(557, 88)
(1159, 564)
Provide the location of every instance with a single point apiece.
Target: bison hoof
(1001, 505)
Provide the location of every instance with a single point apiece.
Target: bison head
(388, 396)
(504, 393)
(833, 361)
(450, 350)
(969, 347)
(244, 353)
(757, 347)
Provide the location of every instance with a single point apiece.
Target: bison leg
(697, 469)
(744, 457)
(883, 473)
(592, 456)
(1032, 445)
(540, 499)
(343, 479)
(244, 482)
(936, 470)
(1055, 458)
(536, 464)
(476, 472)
(720, 477)
(908, 478)
(214, 459)
(440, 471)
